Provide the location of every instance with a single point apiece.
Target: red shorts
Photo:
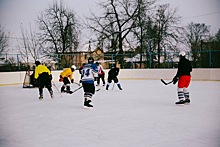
(184, 81)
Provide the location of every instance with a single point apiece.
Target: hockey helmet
(90, 60)
(37, 62)
(73, 67)
(182, 53)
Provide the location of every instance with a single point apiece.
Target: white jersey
(89, 72)
(100, 70)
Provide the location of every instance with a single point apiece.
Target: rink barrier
(198, 74)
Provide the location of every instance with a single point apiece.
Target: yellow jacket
(40, 69)
(67, 73)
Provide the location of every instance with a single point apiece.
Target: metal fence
(198, 59)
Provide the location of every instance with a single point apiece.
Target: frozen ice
(143, 114)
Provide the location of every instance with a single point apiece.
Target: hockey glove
(61, 79)
(50, 77)
(175, 79)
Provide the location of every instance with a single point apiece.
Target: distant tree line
(140, 25)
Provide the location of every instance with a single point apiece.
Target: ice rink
(143, 114)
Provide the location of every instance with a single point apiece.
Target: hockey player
(44, 77)
(66, 76)
(101, 74)
(112, 75)
(183, 77)
(89, 73)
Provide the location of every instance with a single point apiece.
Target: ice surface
(143, 114)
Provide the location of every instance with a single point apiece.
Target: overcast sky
(13, 13)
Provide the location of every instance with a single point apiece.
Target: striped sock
(180, 95)
(186, 95)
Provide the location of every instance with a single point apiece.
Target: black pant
(115, 79)
(101, 76)
(89, 90)
(66, 81)
(44, 81)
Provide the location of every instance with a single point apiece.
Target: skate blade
(181, 105)
(85, 107)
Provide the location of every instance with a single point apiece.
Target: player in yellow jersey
(66, 76)
(44, 77)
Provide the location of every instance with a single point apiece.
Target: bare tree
(59, 30)
(30, 46)
(116, 23)
(3, 40)
(195, 34)
(141, 30)
(166, 28)
(217, 36)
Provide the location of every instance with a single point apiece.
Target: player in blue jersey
(88, 74)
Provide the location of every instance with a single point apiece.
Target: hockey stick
(166, 82)
(76, 83)
(76, 89)
(57, 89)
(97, 90)
(80, 88)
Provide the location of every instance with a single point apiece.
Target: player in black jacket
(112, 75)
(183, 77)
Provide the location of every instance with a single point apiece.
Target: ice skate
(87, 104)
(41, 97)
(187, 101)
(62, 89)
(70, 92)
(107, 86)
(119, 86)
(180, 102)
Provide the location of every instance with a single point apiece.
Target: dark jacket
(184, 67)
(113, 72)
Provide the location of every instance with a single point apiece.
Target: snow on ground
(143, 114)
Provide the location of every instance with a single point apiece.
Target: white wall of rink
(125, 74)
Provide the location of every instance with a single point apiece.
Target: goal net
(29, 81)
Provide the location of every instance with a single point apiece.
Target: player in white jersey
(89, 73)
(101, 74)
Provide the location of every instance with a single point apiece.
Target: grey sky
(199, 11)
(13, 13)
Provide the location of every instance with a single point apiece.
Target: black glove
(36, 82)
(175, 79)
(72, 80)
(50, 77)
